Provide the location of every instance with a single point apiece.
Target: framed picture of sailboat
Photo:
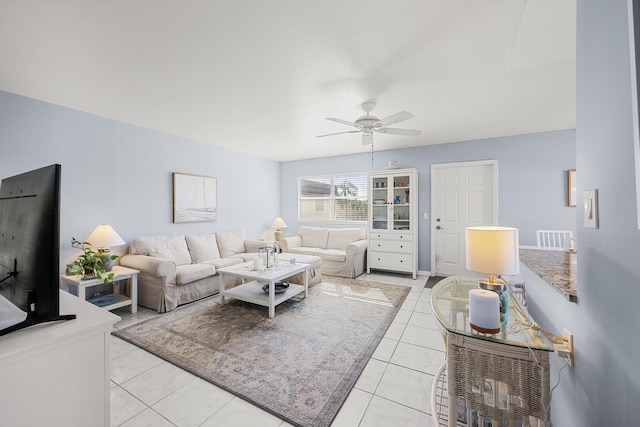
(194, 198)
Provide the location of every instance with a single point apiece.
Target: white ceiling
(261, 76)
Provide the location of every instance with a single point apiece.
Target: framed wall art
(194, 198)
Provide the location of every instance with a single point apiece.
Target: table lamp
(103, 237)
(278, 224)
(493, 250)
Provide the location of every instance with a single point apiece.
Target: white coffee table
(251, 291)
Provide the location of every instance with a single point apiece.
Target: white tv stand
(57, 373)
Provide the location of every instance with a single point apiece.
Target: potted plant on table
(90, 264)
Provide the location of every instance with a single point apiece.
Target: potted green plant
(90, 263)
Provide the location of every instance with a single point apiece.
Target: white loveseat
(177, 269)
(343, 250)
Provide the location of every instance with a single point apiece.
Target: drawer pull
(401, 246)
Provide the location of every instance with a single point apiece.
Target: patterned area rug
(300, 365)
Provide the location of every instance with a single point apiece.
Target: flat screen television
(30, 249)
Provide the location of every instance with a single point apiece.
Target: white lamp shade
(104, 236)
(493, 250)
(279, 223)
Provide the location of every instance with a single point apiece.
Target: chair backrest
(554, 239)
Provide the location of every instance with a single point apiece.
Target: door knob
(439, 227)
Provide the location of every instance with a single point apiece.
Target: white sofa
(177, 269)
(343, 250)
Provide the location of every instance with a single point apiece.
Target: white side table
(120, 273)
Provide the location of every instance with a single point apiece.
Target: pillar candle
(484, 311)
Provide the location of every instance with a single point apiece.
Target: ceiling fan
(368, 124)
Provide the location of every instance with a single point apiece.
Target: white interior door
(462, 195)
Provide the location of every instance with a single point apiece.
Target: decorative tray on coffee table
(279, 287)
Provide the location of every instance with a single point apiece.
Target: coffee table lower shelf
(252, 292)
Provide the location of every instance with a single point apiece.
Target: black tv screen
(30, 249)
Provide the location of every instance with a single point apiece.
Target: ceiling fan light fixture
(368, 124)
(367, 138)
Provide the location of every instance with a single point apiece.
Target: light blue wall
(532, 183)
(603, 389)
(121, 174)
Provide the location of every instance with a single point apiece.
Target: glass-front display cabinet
(393, 207)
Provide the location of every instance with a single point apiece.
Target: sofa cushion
(305, 250)
(231, 242)
(202, 247)
(339, 238)
(339, 255)
(314, 236)
(224, 262)
(174, 248)
(192, 272)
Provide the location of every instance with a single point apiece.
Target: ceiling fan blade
(344, 122)
(395, 118)
(367, 138)
(338, 133)
(396, 131)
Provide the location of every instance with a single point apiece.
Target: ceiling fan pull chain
(372, 155)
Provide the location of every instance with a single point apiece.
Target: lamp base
(500, 287)
(278, 235)
(107, 262)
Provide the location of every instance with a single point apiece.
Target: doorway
(463, 195)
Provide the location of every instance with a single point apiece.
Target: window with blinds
(337, 198)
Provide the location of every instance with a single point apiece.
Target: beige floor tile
(193, 403)
(371, 375)
(419, 358)
(353, 409)
(239, 412)
(407, 387)
(385, 349)
(132, 364)
(148, 418)
(395, 331)
(422, 336)
(385, 413)
(158, 382)
(124, 406)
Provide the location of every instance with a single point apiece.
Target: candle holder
(267, 255)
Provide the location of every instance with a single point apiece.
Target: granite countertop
(557, 268)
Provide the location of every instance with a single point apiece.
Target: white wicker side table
(499, 380)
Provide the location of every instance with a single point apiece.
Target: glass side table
(498, 380)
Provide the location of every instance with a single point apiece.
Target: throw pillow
(231, 242)
(203, 247)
